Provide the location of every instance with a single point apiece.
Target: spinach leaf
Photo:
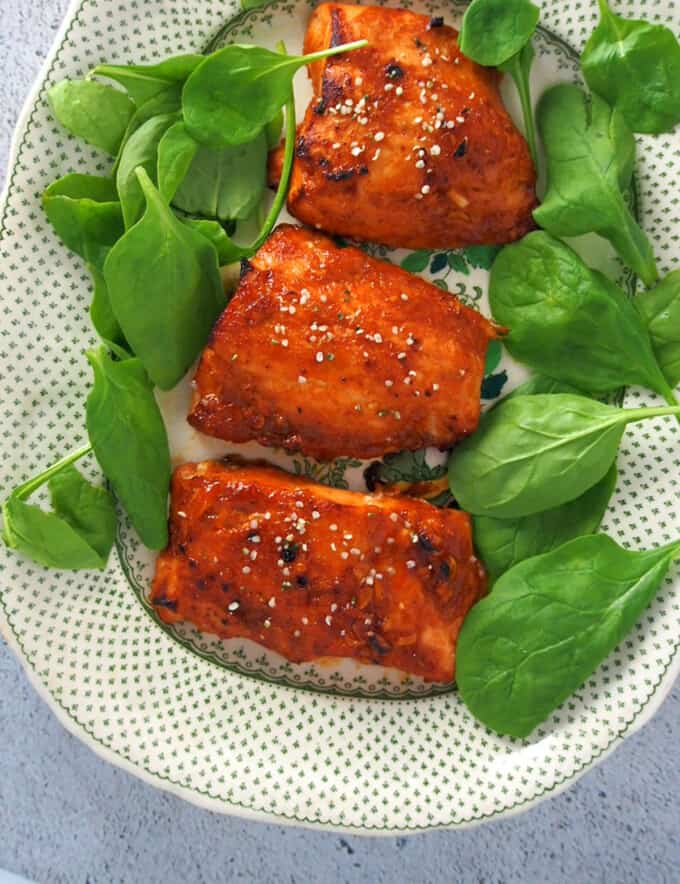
(635, 66)
(519, 68)
(227, 250)
(502, 543)
(533, 453)
(494, 30)
(540, 383)
(235, 92)
(176, 151)
(169, 101)
(96, 113)
(226, 184)
(165, 289)
(146, 81)
(273, 131)
(568, 321)
(498, 33)
(86, 215)
(660, 309)
(141, 149)
(590, 153)
(130, 442)
(548, 624)
(78, 534)
(101, 312)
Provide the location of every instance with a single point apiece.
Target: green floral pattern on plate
(227, 741)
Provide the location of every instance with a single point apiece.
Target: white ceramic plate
(225, 724)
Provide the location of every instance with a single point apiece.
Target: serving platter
(226, 724)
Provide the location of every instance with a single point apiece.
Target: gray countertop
(67, 816)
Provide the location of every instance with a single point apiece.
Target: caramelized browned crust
(406, 142)
(314, 572)
(327, 351)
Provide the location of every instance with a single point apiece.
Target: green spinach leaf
(169, 101)
(176, 151)
(101, 312)
(502, 543)
(96, 113)
(548, 624)
(569, 321)
(165, 289)
(226, 184)
(498, 33)
(141, 149)
(228, 252)
(519, 68)
(590, 153)
(235, 92)
(86, 215)
(146, 81)
(78, 534)
(635, 66)
(494, 30)
(130, 442)
(533, 453)
(660, 309)
(540, 383)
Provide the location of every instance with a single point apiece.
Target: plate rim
(639, 719)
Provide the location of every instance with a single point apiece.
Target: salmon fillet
(406, 142)
(330, 352)
(313, 572)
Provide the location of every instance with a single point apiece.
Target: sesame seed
(328, 620)
(404, 297)
(319, 356)
(304, 621)
(425, 189)
(435, 150)
(378, 136)
(334, 608)
(296, 633)
(427, 61)
(284, 342)
(376, 154)
(336, 145)
(272, 602)
(355, 551)
(267, 624)
(245, 569)
(435, 387)
(460, 119)
(358, 81)
(399, 91)
(420, 164)
(394, 517)
(344, 555)
(356, 151)
(316, 514)
(401, 355)
(234, 606)
(333, 527)
(410, 564)
(471, 95)
(347, 536)
(377, 337)
(389, 87)
(389, 383)
(302, 379)
(349, 102)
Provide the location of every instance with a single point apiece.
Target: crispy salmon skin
(314, 572)
(406, 141)
(330, 352)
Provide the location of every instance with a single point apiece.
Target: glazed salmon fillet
(330, 352)
(406, 141)
(313, 572)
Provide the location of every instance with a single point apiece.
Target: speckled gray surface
(66, 816)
